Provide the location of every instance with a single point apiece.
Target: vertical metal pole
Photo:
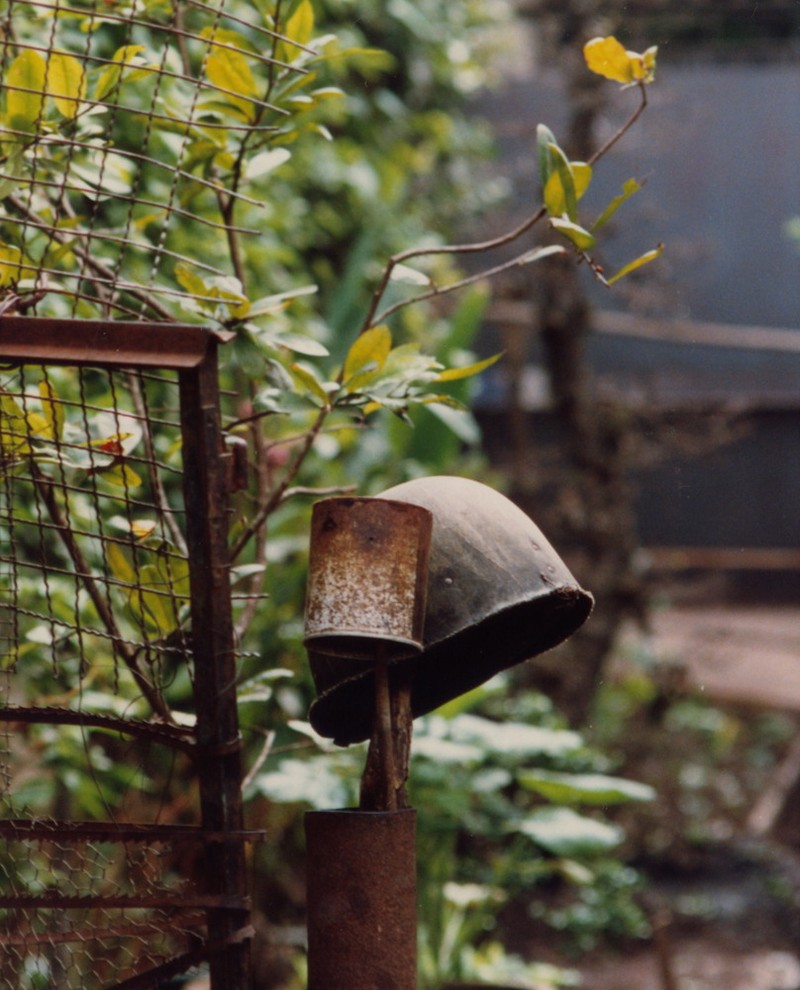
(218, 739)
(362, 913)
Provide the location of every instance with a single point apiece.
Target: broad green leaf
(454, 374)
(643, 259)
(608, 57)
(307, 782)
(311, 382)
(279, 301)
(371, 348)
(66, 83)
(580, 237)
(563, 832)
(629, 187)
(24, 85)
(302, 345)
(409, 276)
(513, 738)
(587, 788)
(456, 417)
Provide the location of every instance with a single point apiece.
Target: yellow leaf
(10, 260)
(643, 259)
(142, 528)
(53, 410)
(66, 83)
(119, 564)
(229, 70)
(454, 374)
(371, 347)
(311, 383)
(608, 57)
(24, 87)
(299, 28)
(580, 237)
(582, 176)
(123, 61)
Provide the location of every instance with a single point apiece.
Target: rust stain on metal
(361, 900)
(367, 577)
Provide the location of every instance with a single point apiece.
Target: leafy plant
(504, 807)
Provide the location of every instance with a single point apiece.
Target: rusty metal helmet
(497, 594)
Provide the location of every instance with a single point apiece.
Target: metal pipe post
(362, 917)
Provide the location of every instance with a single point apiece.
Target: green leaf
(24, 87)
(370, 348)
(578, 235)
(66, 83)
(302, 345)
(544, 139)
(514, 738)
(278, 301)
(563, 832)
(454, 374)
(643, 259)
(628, 189)
(588, 788)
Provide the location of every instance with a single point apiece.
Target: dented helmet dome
(497, 594)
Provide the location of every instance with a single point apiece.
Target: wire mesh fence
(118, 662)
(125, 129)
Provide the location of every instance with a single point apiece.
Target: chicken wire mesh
(132, 136)
(117, 662)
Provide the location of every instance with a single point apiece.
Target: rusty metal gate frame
(191, 352)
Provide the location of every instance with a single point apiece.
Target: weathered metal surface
(362, 928)
(367, 578)
(497, 594)
(98, 344)
(94, 872)
(215, 673)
